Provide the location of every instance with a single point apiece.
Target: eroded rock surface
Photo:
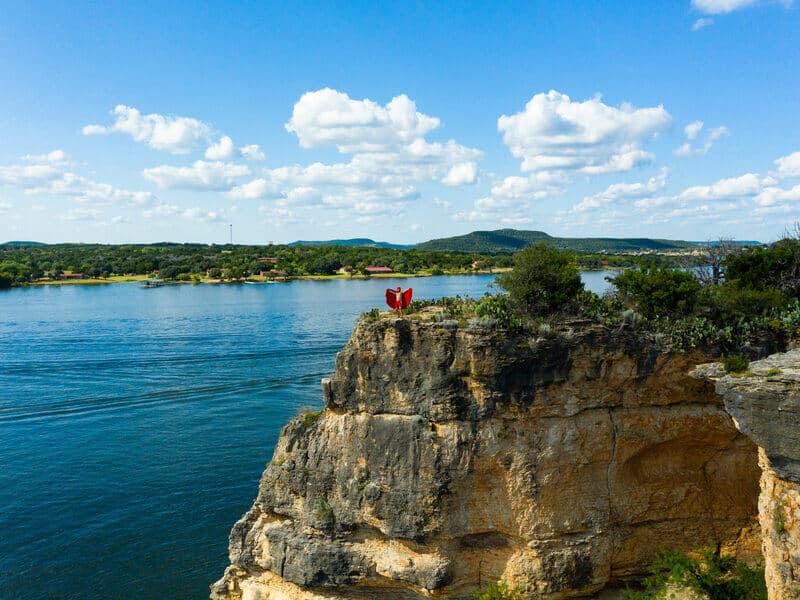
(449, 457)
(765, 404)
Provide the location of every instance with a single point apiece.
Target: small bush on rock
(499, 591)
(309, 415)
(712, 576)
(735, 363)
(372, 315)
(500, 310)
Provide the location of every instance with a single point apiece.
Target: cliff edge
(448, 457)
(765, 405)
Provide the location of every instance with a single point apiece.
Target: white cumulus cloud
(178, 135)
(167, 211)
(555, 133)
(329, 117)
(462, 174)
(252, 190)
(56, 157)
(47, 174)
(748, 184)
(388, 156)
(717, 7)
(201, 175)
(252, 152)
(691, 134)
(789, 166)
(620, 191)
(82, 214)
(692, 129)
(222, 150)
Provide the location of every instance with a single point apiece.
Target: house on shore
(377, 270)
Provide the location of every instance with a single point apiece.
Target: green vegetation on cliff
(738, 311)
(710, 576)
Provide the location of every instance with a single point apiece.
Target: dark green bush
(730, 302)
(457, 307)
(659, 292)
(713, 576)
(544, 280)
(762, 268)
(309, 415)
(499, 591)
(372, 315)
(500, 309)
(735, 363)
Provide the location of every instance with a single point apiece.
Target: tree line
(22, 264)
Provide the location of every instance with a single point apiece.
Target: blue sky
(140, 122)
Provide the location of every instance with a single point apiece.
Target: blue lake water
(134, 423)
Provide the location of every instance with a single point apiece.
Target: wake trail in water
(82, 406)
(154, 361)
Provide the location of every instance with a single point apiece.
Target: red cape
(405, 298)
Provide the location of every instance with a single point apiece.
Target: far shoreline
(256, 279)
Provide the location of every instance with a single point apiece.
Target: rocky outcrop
(765, 404)
(449, 456)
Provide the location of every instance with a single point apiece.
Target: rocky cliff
(765, 404)
(449, 456)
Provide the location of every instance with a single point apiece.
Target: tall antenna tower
(231, 228)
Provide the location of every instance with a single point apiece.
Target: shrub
(309, 416)
(761, 268)
(372, 315)
(544, 280)
(659, 291)
(735, 363)
(730, 302)
(323, 513)
(417, 305)
(457, 307)
(499, 591)
(712, 576)
(500, 310)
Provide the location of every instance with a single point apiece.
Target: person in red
(398, 299)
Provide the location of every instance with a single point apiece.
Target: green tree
(544, 279)
(761, 268)
(659, 291)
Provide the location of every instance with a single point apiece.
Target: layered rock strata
(765, 404)
(449, 456)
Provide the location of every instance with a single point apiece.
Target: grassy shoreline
(253, 279)
(260, 279)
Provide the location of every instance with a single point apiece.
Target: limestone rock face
(449, 457)
(765, 404)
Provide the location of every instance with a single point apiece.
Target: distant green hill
(20, 243)
(350, 242)
(511, 240)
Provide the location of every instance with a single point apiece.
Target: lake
(135, 424)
